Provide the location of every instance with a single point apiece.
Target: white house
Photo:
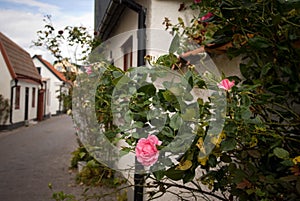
(117, 22)
(55, 84)
(120, 18)
(20, 83)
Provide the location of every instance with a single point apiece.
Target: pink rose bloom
(226, 84)
(207, 16)
(146, 150)
(88, 70)
(197, 1)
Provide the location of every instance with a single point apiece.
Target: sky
(21, 19)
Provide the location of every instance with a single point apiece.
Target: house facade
(20, 83)
(120, 19)
(54, 84)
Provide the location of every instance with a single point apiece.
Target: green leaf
(265, 69)
(167, 132)
(254, 153)
(159, 174)
(174, 174)
(117, 74)
(288, 163)
(245, 100)
(281, 153)
(189, 114)
(278, 89)
(245, 113)
(174, 44)
(228, 144)
(189, 176)
(82, 154)
(148, 89)
(259, 42)
(225, 158)
(168, 96)
(175, 121)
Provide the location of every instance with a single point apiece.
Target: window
(127, 61)
(127, 50)
(33, 97)
(39, 69)
(17, 98)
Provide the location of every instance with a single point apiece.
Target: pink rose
(88, 70)
(207, 16)
(226, 84)
(197, 1)
(146, 150)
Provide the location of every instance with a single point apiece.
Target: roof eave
(42, 61)
(111, 17)
(7, 61)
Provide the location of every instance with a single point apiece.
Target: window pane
(17, 98)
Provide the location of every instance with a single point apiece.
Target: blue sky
(21, 19)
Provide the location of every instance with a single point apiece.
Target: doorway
(26, 103)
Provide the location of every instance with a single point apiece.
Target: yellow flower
(296, 160)
(202, 160)
(218, 139)
(253, 142)
(184, 165)
(200, 144)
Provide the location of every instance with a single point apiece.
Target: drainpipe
(11, 101)
(141, 28)
(139, 179)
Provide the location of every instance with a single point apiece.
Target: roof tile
(18, 60)
(51, 68)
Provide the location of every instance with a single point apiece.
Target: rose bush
(256, 156)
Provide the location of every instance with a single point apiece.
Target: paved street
(32, 157)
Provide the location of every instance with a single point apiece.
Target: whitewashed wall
(54, 87)
(19, 114)
(5, 79)
(46, 87)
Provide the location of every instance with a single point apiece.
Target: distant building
(65, 66)
(20, 83)
(55, 85)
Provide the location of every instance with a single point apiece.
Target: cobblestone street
(32, 157)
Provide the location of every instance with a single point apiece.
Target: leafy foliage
(257, 158)
(4, 109)
(72, 36)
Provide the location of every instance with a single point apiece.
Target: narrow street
(32, 157)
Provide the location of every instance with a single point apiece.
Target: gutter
(131, 4)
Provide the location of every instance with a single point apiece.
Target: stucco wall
(19, 114)
(5, 79)
(53, 87)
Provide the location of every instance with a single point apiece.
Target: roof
(107, 14)
(18, 61)
(59, 75)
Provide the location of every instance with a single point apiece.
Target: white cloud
(21, 26)
(42, 7)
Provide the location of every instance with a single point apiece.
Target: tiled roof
(59, 75)
(18, 60)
